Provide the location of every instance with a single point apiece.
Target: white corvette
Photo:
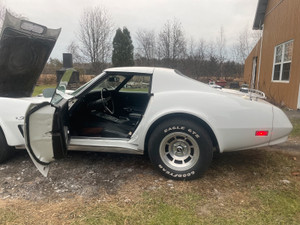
(177, 121)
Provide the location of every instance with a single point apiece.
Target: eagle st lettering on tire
(180, 149)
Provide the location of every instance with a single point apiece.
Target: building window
(282, 62)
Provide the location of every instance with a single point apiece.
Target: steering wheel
(108, 102)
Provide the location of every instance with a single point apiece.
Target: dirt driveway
(81, 173)
(89, 174)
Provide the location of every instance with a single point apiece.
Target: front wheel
(180, 149)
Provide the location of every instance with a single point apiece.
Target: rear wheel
(5, 151)
(180, 149)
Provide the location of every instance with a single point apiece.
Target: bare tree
(244, 44)
(164, 42)
(211, 49)
(255, 36)
(221, 49)
(221, 45)
(201, 50)
(95, 35)
(73, 48)
(197, 50)
(191, 51)
(179, 42)
(241, 47)
(172, 42)
(146, 44)
(197, 59)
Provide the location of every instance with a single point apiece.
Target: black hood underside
(24, 50)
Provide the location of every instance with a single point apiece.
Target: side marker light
(261, 133)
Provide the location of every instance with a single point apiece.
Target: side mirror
(48, 92)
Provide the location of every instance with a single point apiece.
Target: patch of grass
(6, 216)
(279, 207)
(263, 207)
(153, 208)
(39, 89)
(296, 130)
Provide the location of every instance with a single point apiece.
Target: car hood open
(24, 50)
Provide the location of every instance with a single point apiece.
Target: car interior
(112, 108)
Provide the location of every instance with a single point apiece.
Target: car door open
(46, 127)
(46, 135)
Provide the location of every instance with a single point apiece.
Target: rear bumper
(282, 127)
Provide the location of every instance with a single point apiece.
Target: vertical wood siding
(281, 24)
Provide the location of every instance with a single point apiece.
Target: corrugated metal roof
(260, 14)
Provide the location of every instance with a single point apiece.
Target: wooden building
(273, 66)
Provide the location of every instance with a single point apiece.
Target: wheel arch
(196, 119)
(2, 130)
(12, 134)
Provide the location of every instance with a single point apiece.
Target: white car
(177, 121)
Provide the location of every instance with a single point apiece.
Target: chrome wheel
(179, 151)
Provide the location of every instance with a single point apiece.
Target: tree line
(98, 45)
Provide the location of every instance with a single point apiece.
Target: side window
(110, 83)
(138, 84)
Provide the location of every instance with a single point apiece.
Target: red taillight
(261, 133)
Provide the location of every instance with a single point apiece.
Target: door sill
(113, 145)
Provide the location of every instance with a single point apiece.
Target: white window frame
(282, 62)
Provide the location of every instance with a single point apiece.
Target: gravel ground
(81, 173)
(293, 114)
(85, 174)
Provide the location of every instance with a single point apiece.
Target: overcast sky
(199, 18)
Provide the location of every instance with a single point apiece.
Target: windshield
(84, 86)
(81, 88)
(122, 83)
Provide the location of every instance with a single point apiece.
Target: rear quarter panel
(233, 119)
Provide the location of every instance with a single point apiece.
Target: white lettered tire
(180, 149)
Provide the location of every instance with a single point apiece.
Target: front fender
(12, 119)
